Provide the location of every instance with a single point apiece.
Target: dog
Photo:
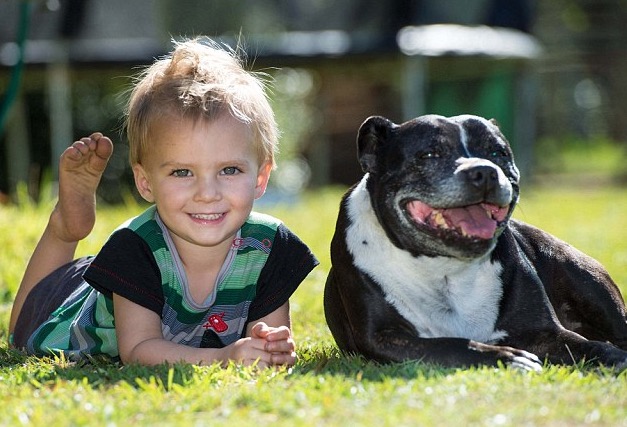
(429, 265)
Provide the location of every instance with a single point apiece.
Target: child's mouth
(207, 217)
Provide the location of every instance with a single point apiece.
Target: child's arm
(140, 340)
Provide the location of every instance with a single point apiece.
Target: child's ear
(143, 183)
(263, 176)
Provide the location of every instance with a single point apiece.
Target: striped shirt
(265, 264)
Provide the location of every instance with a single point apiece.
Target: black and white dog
(428, 265)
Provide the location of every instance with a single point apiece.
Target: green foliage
(589, 158)
(325, 387)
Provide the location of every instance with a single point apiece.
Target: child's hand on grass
(278, 343)
(266, 346)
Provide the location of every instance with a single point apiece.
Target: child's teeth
(206, 216)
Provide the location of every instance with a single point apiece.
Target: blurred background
(552, 73)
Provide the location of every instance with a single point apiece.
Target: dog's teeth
(439, 221)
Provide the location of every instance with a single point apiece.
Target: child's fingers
(258, 351)
(247, 350)
(278, 334)
(260, 330)
(283, 346)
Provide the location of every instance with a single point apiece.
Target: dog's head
(439, 186)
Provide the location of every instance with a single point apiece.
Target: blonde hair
(200, 80)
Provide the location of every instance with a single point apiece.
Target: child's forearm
(246, 351)
(156, 351)
(140, 340)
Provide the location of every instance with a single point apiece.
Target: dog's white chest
(441, 297)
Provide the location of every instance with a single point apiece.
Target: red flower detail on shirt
(216, 321)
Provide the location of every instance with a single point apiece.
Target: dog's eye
(430, 155)
(499, 153)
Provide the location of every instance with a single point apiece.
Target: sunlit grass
(590, 157)
(594, 220)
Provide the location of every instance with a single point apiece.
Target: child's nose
(207, 190)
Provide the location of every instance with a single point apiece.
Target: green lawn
(324, 388)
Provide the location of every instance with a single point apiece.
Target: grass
(325, 387)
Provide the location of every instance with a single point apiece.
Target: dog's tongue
(472, 220)
(478, 220)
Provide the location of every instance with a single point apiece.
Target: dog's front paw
(528, 362)
(514, 357)
(613, 358)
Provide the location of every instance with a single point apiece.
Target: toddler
(198, 277)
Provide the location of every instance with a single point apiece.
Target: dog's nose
(484, 180)
(483, 176)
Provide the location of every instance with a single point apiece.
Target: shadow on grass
(323, 360)
(329, 360)
(97, 371)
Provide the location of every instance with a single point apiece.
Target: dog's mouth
(479, 221)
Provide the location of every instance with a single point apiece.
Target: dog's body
(427, 264)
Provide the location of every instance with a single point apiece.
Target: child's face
(204, 177)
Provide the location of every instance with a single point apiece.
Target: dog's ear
(495, 123)
(372, 133)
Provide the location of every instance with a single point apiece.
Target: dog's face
(439, 186)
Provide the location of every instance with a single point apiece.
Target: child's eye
(230, 170)
(179, 173)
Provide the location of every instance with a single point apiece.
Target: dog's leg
(539, 330)
(585, 298)
(371, 327)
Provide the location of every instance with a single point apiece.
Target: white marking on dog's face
(463, 137)
(440, 296)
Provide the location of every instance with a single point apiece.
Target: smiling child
(198, 277)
